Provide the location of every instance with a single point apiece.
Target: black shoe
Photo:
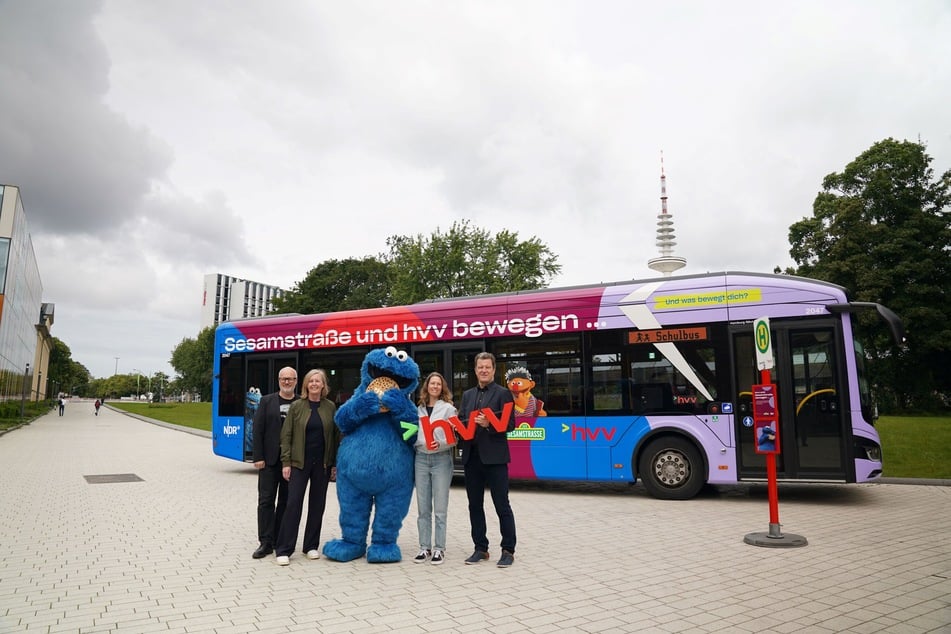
(263, 551)
(506, 560)
(478, 556)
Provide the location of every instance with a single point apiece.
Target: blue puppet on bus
(251, 401)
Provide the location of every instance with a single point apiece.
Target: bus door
(456, 362)
(261, 374)
(812, 424)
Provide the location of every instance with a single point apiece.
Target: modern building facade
(25, 342)
(226, 298)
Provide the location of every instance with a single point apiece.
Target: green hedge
(10, 412)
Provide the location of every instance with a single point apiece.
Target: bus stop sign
(764, 344)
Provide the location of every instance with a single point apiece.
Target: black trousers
(272, 501)
(496, 477)
(318, 477)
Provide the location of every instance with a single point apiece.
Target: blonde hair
(310, 373)
(446, 394)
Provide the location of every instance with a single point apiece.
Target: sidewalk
(171, 552)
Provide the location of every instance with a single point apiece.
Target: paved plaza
(167, 547)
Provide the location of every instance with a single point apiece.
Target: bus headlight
(868, 450)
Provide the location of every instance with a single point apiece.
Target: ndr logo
(230, 430)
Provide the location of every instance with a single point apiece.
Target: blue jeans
(433, 477)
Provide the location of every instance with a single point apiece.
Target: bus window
(564, 388)
(555, 366)
(342, 367)
(231, 386)
(607, 387)
(684, 382)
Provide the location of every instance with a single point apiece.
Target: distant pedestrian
(98, 405)
(62, 405)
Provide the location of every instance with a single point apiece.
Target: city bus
(639, 381)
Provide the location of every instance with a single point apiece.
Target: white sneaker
(283, 560)
(313, 554)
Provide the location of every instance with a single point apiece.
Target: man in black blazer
(266, 455)
(486, 459)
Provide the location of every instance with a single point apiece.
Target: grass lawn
(914, 446)
(196, 415)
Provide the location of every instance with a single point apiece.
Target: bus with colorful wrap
(640, 380)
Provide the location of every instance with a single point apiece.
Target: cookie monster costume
(375, 459)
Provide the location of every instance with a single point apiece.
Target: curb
(161, 423)
(919, 481)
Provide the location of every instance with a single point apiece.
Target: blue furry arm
(357, 409)
(402, 410)
(399, 404)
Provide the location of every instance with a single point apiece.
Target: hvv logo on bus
(584, 433)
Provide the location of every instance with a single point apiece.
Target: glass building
(22, 326)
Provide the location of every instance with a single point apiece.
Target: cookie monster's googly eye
(390, 351)
(401, 355)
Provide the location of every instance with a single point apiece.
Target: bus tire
(671, 468)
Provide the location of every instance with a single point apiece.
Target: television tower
(667, 263)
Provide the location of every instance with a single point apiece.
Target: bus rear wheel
(671, 468)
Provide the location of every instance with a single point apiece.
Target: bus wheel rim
(671, 469)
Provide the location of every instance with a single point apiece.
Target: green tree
(466, 260)
(193, 360)
(159, 383)
(64, 374)
(881, 229)
(338, 285)
(113, 387)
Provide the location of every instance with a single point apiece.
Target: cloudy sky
(155, 142)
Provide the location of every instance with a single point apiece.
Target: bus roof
(640, 304)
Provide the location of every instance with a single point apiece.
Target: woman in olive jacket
(309, 441)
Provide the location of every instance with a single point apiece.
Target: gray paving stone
(172, 552)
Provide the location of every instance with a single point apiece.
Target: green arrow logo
(408, 429)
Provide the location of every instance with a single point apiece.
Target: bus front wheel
(671, 468)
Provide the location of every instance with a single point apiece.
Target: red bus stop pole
(774, 526)
(774, 538)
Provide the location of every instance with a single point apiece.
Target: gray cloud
(157, 142)
(81, 167)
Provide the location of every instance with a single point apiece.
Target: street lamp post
(26, 375)
(137, 377)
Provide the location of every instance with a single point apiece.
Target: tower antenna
(667, 263)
